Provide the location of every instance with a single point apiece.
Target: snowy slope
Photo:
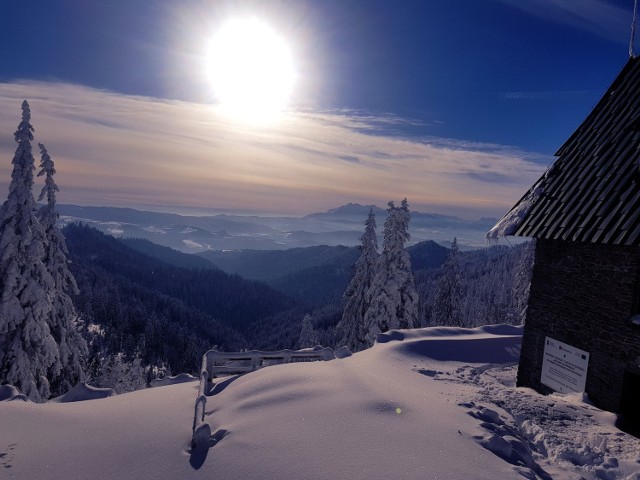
(432, 403)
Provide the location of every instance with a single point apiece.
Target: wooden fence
(217, 364)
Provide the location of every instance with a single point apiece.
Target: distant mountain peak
(349, 209)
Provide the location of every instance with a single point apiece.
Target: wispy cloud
(349, 158)
(112, 149)
(595, 16)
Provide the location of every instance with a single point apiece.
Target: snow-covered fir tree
(447, 305)
(393, 299)
(121, 374)
(308, 335)
(64, 321)
(28, 350)
(351, 328)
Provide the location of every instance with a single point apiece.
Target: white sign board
(564, 368)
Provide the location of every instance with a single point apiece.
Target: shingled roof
(592, 191)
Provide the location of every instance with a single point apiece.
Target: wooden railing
(216, 364)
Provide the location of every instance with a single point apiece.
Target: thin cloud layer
(595, 16)
(112, 149)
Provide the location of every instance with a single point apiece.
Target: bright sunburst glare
(251, 70)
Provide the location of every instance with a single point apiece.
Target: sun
(250, 69)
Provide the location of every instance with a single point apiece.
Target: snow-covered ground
(434, 403)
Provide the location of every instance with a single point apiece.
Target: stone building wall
(585, 294)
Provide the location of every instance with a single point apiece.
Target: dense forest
(164, 315)
(159, 310)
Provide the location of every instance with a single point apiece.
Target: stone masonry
(584, 294)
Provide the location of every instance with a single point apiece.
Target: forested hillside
(157, 313)
(494, 284)
(269, 265)
(312, 274)
(230, 299)
(166, 254)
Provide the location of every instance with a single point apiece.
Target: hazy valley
(339, 226)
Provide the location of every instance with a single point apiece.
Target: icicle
(634, 21)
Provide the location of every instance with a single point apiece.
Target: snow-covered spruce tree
(308, 335)
(393, 299)
(63, 322)
(447, 304)
(351, 328)
(28, 351)
(121, 374)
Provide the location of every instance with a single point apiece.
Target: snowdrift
(431, 403)
(9, 393)
(181, 378)
(83, 392)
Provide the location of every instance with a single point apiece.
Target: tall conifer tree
(351, 328)
(447, 305)
(28, 351)
(308, 335)
(64, 322)
(393, 299)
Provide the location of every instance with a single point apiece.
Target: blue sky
(458, 105)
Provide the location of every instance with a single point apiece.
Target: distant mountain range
(339, 226)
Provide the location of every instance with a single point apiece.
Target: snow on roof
(508, 225)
